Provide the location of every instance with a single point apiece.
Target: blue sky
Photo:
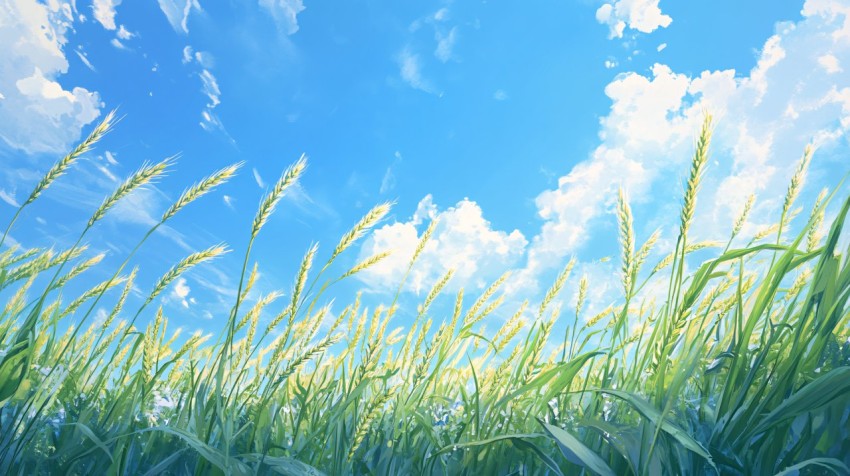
(513, 125)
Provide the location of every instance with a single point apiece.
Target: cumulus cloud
(463, 240)
(765, 118)
(124, 34)
(37, 113)
(285, 13)
(642, 15)
(104, 12)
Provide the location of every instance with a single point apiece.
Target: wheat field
(742, 366)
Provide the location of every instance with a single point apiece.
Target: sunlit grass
(739, 367)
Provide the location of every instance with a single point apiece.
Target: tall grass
(741, 367)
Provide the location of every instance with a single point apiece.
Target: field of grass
(741, 367)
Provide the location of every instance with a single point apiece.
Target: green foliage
(740, 367)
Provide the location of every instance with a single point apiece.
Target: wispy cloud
(445, 44)
(9, 197)
(178, 11)
(500, 95)
(85, 60)
(258, 178)
(389, 180)
(410, 69)
(285, 13)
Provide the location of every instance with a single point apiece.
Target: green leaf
(282, 465)
(648, 411)
(575, 451)
(832, 464)
(556, 378)
(90, 435)
(833, 385)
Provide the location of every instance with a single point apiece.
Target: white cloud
(258, 178)
(500, 95)
(177, 12)
(642, 15)
(38, 113)
(104, 12)
(830, 64)
(410, 69)
(285, 13)
(117, 43)
(187, 54)
(9, 197)
(210, 88)
(180, 293)
(85, 60)
(445, 44)
(124, 34)
(765, 118)
(110, 157)
(463, 240)
(228, 201)
(610, 63)
(209, 119)
(205, 59)
(388, 182)
(661, 47)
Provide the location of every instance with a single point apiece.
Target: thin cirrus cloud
(410, 70)
(285, 13)
(178, 11)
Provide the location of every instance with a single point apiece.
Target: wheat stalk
(556, 287)
(145, 175)
(365, 224)
(60, 167)
(695, 177)
(267, 206)
(201, 188)
(797, 181)
(182, 266)
(742, 218)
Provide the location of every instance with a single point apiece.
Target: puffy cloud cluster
(642, 15)
(37, 113)
(463, 240)
(797, 93)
